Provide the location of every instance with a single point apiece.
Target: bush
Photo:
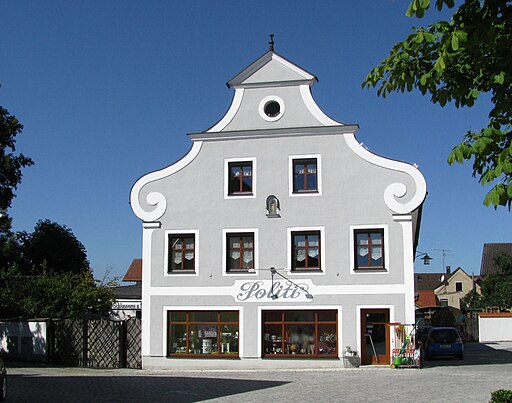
(501, 396)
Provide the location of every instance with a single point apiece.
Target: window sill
(181, 272)
(251, 271)
(302, 271)
(241, 194)
(295, 192)
(370, 270)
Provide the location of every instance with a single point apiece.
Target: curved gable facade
(275, 211)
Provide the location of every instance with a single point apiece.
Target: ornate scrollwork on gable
(155, 203)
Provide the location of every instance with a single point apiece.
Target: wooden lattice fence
(95, 342)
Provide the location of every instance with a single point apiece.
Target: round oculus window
(271, 108)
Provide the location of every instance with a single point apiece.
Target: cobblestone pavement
(486, 367)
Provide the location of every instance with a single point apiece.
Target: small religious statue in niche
(273, 207)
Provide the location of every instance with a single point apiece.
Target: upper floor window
(458, 286)
(240, 252)
(369, 249)
(305, 175)
(182, 252)
(240, 178)
(305, 250)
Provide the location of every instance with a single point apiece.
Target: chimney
(448, 269)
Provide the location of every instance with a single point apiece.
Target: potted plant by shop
(350, 358)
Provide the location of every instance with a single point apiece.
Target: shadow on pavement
(36, 388)
(474, 354)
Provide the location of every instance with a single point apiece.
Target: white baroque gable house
(292, 240)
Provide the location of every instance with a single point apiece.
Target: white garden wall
(495, 327)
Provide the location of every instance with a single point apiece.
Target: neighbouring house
(424, 286)
(444, 289)
(277, 236)
(454, 287)
(128, 302)
(490, 252)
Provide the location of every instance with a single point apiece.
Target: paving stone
(485, 368)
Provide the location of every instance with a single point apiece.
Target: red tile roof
(489, 253)
(426, 298)
(134, 272)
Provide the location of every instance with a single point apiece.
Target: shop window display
(203, 333)
(303, 334)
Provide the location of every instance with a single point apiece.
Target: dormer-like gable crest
(270, 70)
(272, 93)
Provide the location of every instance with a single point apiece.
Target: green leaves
(456, 61)
(499, 78)
(454, 41)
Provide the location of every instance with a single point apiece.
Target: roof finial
(271, 43)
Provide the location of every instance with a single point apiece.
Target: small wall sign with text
(127, 305)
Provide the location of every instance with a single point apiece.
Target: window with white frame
(305, 175)
(240, 178)
(369, 248)
(306, 250)
(181, 252)
(240, 251)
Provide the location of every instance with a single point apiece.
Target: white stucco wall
(494, 328)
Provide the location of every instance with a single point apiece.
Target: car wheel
(3, 392)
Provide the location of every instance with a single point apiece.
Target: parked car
(443, 341)
(3, 380)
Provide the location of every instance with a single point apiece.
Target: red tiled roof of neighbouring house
(490, 252)
(134, 272)
(426, 298)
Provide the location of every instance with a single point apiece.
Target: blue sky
(108, 90)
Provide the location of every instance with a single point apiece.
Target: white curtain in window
(301, 255)
(247, 256)
(177, 257)
(363, 251)
(376, 253)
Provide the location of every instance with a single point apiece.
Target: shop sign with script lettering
(263, 290)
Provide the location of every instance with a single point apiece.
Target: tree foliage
(52, 248)
(46, 274)
(496, 288)
(66, 295)
(10, 164)
(456, 61)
